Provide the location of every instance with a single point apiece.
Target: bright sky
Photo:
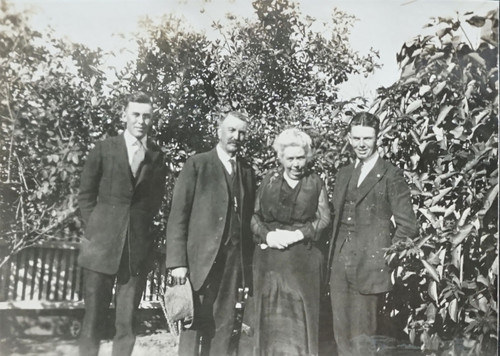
(383, 24)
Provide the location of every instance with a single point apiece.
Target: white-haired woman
(291, 210)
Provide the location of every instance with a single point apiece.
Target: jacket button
(220, 219)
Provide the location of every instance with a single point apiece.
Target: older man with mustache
(209, 239)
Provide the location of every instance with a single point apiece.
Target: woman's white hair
(293, 137)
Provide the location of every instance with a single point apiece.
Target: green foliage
(440, 123)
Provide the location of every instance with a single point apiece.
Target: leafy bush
(52, 108)
(440, 123)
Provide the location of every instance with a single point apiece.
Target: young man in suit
(208, 237)
(369, 195)
(121, 190)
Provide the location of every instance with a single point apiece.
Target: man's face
(139, 118)
(232, 133)
(294, 161)
(363, 140)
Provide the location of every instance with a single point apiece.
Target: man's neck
(372, 158)
(131, 139)
(224, 154)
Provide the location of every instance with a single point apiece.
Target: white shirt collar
(131, 140)
(223, 155)
(225, 158)
(369, 163)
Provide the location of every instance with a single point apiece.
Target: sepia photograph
(249, 177)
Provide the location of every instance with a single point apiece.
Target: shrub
(440, 123)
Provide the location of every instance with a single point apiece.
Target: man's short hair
(138, 97)
(239, 115)
(365, 119)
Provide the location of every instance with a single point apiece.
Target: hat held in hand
(177, 305)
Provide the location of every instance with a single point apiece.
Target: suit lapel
(371, 179)
(147, 165)
(342, 184)
(122, 157)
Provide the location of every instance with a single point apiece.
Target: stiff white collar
(367, 166)
(131, 140)
(225, 158)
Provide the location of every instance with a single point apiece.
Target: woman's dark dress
(286, 298)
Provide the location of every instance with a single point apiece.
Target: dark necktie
(233, 167)
(138, 158)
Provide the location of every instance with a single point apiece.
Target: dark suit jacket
(383, 194)
(111, 205)
(198, 215)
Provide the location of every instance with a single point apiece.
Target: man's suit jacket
(383, 194)
(198, 215)
(113, 205)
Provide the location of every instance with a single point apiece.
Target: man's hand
(179, 275)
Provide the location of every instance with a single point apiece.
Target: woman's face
(294, 161)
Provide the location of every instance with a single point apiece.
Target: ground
(159, 343)
(47, 333)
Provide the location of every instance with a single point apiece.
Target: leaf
(412, 336)
(461, 235)
(443, 112)
(483, 280)
(464, 216)
(477, 58)
(494, 267)
(432, 271)
(430, 216)
(441, 194)
(443, 32)
(413, 106)
(437, 89)
(476, 21)
(456, 255)
(432, 290)
(457, 131)
(430, 313)
(423, 90)
(453, 310)
(489, 200)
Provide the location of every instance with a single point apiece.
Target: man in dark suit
(208, 237)
(121, 190)
(370, 197)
